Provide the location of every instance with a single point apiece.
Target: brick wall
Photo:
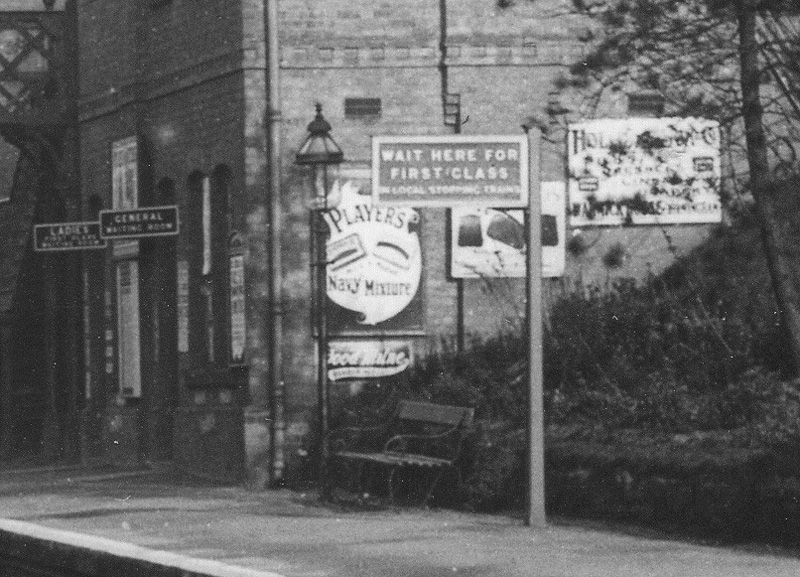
(188, 77)
(359, 22)
(180, 77)
(500, 62)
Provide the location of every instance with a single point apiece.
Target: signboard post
(533, 281)
(479, 171)
(139, 222)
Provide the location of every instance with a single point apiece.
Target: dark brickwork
(501, 62)
(182, 78)
(188, 77)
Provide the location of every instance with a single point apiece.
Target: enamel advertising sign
(450, 170)
(374, 261)
(492, 243)
(368, 359)
(644, 171)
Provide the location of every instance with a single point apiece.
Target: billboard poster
(491, 243)
(644, 171)
(238, 322)
(374, 260)
(183, 306)
(450, 170)
(367, 359)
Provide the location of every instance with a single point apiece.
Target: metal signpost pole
(320, 263)
(515, 160)
(535, 498)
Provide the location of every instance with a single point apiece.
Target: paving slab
(291, 534)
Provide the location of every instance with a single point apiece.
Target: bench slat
(430, 413)
(395, 459)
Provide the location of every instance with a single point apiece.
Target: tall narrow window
(219, 273)
(198, 308)
(125, 183)
(208, 267)
(208, 282)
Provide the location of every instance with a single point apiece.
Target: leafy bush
(694, 351)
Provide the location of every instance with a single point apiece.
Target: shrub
(696, 350)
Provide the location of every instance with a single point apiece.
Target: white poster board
(130, 379)
(644, 171)
(491, 243)
(238, 321)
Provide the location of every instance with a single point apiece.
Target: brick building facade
(187, 84)
(198, 347)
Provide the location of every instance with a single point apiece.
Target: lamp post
(320, 151)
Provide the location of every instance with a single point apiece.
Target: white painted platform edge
(129, 551)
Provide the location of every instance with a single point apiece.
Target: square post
(535, 499)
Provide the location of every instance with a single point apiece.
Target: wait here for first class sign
(450, 170)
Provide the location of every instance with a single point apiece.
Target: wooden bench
(422, 435)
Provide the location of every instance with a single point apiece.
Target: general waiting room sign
(139, 222)
(450, 170)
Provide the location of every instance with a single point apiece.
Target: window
(362, 107)
(125, 185)
(208, 267)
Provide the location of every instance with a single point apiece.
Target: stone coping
(78, 554)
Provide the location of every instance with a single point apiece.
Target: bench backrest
(438, 430)
(435, 414)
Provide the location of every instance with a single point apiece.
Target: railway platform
(80, 523)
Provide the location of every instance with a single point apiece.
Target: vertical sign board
(644, 171)
(109, 336)
(130, 382)
(87, 334)
(183, 306)
(125, 196)
(238, 329)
